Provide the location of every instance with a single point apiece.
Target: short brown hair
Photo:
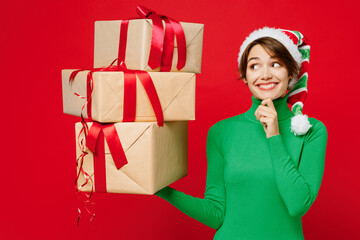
(274, 48)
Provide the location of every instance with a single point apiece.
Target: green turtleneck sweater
(257, 187)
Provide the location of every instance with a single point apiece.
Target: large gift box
(176, 92)
(139, 35)
(156, 157)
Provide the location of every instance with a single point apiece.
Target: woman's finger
(269, 103)
(264, 119)
(264, 111)
(267, 109)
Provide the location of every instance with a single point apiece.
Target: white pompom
(300, 124)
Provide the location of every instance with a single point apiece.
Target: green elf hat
(299, 49)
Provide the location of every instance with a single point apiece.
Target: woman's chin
(267, 95)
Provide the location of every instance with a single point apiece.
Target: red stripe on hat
(304, 69)
(299, 97)
(292, 36)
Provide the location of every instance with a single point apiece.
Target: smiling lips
(266, 86)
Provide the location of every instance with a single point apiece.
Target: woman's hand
(267, 115)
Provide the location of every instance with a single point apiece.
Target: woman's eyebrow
(256, 58)
(252, 58)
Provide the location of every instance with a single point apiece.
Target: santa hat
(299, 49)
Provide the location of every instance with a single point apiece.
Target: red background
(39, 38)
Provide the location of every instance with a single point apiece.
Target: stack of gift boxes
(141, 155)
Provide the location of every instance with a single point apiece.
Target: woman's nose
(266, 73)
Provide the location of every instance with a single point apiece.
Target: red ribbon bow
(96, 144)
(129, 110)
(162, 45)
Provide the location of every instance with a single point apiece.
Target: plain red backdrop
(39, 38)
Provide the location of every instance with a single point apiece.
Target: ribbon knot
(107, 131)
(162, 44)
(129, 109)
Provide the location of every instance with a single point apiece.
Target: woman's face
(265, 75)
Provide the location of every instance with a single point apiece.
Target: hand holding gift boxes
(135, 156)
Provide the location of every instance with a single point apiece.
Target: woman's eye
(276, 64)
(254, 66)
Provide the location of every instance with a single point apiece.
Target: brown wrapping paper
(157, 157)
(176, 92)
(107, 34)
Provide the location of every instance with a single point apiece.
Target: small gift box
(152, 157)
(138, 45)
(176, 93)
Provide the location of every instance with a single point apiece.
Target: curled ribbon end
(143, 11)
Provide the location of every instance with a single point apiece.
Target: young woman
(265, 166)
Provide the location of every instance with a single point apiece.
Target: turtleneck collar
(282, 109)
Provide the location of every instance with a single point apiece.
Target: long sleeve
(209, 210)
(299, 186)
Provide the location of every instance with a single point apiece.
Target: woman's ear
(245, 81)
(288, 87)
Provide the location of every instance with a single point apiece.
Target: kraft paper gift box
(176, 93)
(107, 35)
(157, 157)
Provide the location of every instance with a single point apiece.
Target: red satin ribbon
(157, 37)
(149, 87)
(95, 141)
(162, 45)
(122, 43)
(85, 200)
(181, 43)
(166, 60)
